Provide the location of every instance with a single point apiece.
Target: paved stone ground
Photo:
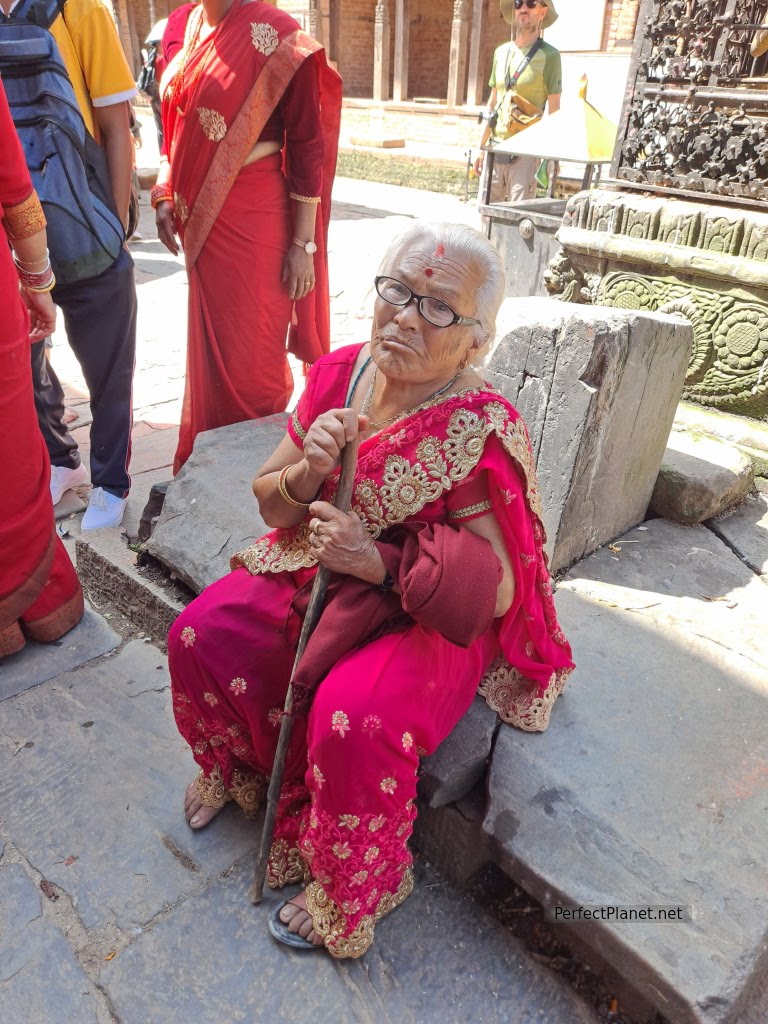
(113, 910)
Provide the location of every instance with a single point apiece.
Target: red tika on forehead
(429, 272)
(439, 252)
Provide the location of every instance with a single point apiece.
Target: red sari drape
(347, 806)
(236, 222)
(37, 582)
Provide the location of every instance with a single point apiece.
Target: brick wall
(619, 24)
(430, 48)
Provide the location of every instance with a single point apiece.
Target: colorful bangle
(46, 286)
(40, 281)
(27, 268)
(160, 194)
(281, 486)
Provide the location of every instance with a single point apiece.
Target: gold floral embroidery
(216, 741)
(296, 424)
(348, 821)
(213, 124)
(341, 850)
(304, 199)
(371, 854)
(340, 723)
(286, 866)
(275, 717)
(211, 699)
(330, 922)
(200, 748)
(238, 686)
(187, 636)
(211, 789)
(25, 218)
(408, 486)
(360, 877)
(407, 742)
(471, 510)
(180, 207)
(319, 777)
(388, 785)
(264, 37)
(508, 692)
(248, 789)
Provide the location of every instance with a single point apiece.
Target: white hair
(473, 247)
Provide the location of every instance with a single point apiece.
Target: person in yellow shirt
(99, 312)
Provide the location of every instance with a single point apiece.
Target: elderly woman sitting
(442, 584)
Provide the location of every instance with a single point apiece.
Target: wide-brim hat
(508, 12)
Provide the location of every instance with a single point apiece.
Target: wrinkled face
(404, 345)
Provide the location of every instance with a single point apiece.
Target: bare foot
(197, 815)
(296, 916)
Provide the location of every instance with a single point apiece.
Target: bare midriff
(260, 150)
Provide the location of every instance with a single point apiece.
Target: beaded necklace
(177, 84)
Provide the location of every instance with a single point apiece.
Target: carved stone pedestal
(709, 263)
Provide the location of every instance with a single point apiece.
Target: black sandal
(280, 931)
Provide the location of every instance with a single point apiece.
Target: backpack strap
(42, 13)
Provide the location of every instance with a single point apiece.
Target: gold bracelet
(281, 486)
(45, 288)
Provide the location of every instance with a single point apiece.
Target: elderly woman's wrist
(302, 482)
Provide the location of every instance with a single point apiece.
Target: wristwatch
(308, 247)
(386, 584)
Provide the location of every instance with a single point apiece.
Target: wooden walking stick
(314, 611)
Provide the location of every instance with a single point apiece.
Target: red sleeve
(469, 500)
(299, 109)
(173, 35)
(15, 183)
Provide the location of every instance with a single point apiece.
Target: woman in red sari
(441, 583)
(251, 117)
(40, 595)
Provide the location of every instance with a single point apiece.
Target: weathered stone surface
(598, 389)
(213, 960)
(35, 663)
(210, 511)
(751, 436)
(459, 762)
(649, 785)
(454, 844)
(110, 729)
(745, 531)
(152, 509)
(40, 980)
(699, 478)
(107, 567)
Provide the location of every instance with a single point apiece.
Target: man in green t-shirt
(529, 68)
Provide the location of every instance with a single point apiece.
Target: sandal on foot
(280, 931)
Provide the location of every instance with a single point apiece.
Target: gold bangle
(47, 288)
(281, 486)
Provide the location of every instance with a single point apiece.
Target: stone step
(649, 787)
(700, 477)
(750, 435)
(93, 800)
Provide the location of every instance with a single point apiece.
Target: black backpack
(67, 166)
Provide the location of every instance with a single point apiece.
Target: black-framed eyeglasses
(434, 310)
(530, 4)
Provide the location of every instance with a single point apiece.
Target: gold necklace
(177, 84)
(399, 415)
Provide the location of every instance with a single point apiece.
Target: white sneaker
(64, 479)
(104, 509)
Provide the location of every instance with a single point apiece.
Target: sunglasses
(530, 4)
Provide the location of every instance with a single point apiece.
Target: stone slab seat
(649, 787)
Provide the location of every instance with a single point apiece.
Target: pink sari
(347, 806)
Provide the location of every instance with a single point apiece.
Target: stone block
(459, 762)
(598, 389)
(456, 846)
(35, 663)
(700, 477)
(438, 957)
(648, 788)
(152, 510)
(745, 531)
(209, 511)
(97, 771)
(108, 568)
